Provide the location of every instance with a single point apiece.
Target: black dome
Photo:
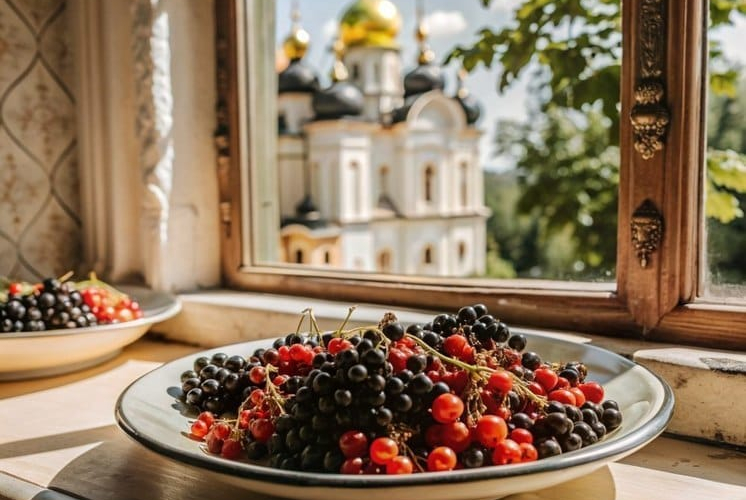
(297, 77)
(471, 107)
(307, 208)
(423, 78)
(400, 114)
(338, 100)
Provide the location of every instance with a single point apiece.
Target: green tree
(726, 229)
(574, 48)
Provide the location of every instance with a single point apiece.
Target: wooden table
(59, 440)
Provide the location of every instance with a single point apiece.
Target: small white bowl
(25, 355)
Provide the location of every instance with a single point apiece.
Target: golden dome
(296, 43)
(370, 23)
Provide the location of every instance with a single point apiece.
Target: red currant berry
(500, 381)
(546, 377)
(382, 450)
(491, 429)
(456, 436)
(353, 444)
(441, 458)
(521, 436)
(214, 443)
(399, 465)
(454, 345)
(352, 466)
(207, 417)
(231, 449)
(221, 431)
(579, 396)
(447, 408)
(563, 396)
(528, 452)
(593, 392)
(199, 429)
(506, 452)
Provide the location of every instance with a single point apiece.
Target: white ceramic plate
(148, 412)
(39, 354)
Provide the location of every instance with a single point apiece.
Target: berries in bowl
(71, 325)
(399, 411)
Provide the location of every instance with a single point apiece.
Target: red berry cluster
(458, 392)
(109, 305)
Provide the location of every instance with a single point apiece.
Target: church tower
(368, 29)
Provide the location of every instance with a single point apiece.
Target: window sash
(657, 302)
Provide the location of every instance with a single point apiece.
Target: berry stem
(340, 330)
(519, 385)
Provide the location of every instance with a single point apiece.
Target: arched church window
(427, 257)
(355, 71)
(461, 251)
(384, 261)
(356, 186)
(299, 256)
(464, 187)
(383, 179)
(327, 257)
(429, 178)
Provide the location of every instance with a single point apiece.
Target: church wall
(357, 247)
(383, 153)
(290, 164)
(387, 236)
(295, 108)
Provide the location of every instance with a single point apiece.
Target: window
(658, 291)
(383, 180)
(384, 261)
(299, 256)
(427, 182)
(464, 183)
(461, 251)
(327, 257)
(354, 189)
(427, 255)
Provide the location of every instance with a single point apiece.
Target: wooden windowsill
(79, 452)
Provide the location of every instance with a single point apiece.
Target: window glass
(725, 196)
(498, 147)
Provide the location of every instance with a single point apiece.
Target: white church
(378, 172)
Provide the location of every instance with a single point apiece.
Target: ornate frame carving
(650, 116)
(647, 231)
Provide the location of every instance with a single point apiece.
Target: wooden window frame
(659, 302)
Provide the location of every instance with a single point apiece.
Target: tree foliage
(567, 152)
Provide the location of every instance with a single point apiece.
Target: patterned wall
(39, 207)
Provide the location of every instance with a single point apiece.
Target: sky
(452, 23)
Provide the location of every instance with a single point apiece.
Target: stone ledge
(706, 383)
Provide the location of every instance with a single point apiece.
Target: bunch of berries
(458, 392)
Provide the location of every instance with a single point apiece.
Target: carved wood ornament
(650, 116)
(647, 231)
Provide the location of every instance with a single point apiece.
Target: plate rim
(242, 470)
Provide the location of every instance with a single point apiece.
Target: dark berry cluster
(460, 391)
(58, 304)
(52, 305)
